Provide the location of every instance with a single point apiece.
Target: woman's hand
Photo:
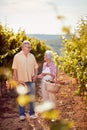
(40, 76)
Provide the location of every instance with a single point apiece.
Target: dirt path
(71, 107)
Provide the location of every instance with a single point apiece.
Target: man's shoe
(33, 116)
(22, 117)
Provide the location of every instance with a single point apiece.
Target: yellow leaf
(24, 99)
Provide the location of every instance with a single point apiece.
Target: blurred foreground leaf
(24, 99)
(61, 125)
(52, 114)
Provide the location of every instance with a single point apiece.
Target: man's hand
(34, 78)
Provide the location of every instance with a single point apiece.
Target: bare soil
(72, 108)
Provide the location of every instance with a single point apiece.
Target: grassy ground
(72, 108)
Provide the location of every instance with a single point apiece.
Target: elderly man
(25, 70)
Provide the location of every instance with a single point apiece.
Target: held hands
(34, 78)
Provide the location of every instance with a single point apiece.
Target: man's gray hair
(26, 42)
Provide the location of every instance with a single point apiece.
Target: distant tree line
(10, 44)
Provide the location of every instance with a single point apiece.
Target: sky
(40, 16)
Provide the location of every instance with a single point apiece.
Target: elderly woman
(49, 72)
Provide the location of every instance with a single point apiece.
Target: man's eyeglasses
(28, 47)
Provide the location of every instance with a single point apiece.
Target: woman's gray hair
(26, 42)
(49, 54)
